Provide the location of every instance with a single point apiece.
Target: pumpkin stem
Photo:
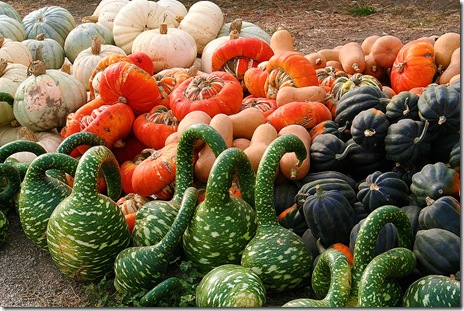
(400, 67)
(236, 24)
(89, 19)
(163, 28)
(3, 64)
(96, 45)
(36, 68)
(369, 132)
(40, 36)
(441, 120)
(419, 139)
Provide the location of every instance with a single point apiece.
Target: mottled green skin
(11, 177)
(364, 249)
(331, 282)
(4, 226)
(40, 194)
(16, 146)
(228, 286)
(437, 291)
(79, 139)
(378, 286)
(165, 288)
(278, 256)
(140, 268)
(222, 225)
(154, 219)
(87, 230)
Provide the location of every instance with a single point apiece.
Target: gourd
(140, 268)
(288, 164)
(317, 60)
(43, 100)
(155, 296)
(263, 253)
(87, 230)
(222, 225)
(351, 57)
(230, 285)
(40, 194)
(11, 28)
(330, 281)
(155, 217)
(282, 41)
(4, 227)
(16, 146)
(386, 239)
(55, 21)
(436, 291)
(11, 177)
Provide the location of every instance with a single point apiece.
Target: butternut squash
(192, 117)
(262, 137)
(351, 57)
(330, 54)
(368, 42)
(288, 164)
(385, 49)
(290, 94)
(246, 121)
(223, 124)
(453, 69)
(241, 143)
(335, 64)
(316, 59)
(444, 47)
(281, 41)
(372, 68)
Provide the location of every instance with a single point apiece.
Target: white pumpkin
(43, 101)
(7, 9)
(15, 52)
(206, 56)
(203, 21)
(167, 47)
(87, 60)
(175, 7)
(245, 30)
(136, 17)
(11, 28)
(101, 7)
(47, 50)
(106, 12)
(11, 76)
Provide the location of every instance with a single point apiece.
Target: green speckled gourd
(140, 268)
(154, 297)
(378, 286)
(331, 282)
(228, 286)
(16, 146)
(278, 256)
(40, 194)
(155, 217)
(87, 230)
(10, 184)
(4, 226)
(78, 139)
(364, 249)
(436, 291)
(222, 225)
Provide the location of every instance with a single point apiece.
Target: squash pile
(152, 131)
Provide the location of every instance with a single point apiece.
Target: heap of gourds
(173, 133)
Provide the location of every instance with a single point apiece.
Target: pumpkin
(217, 92)
(8, 10)
(385, 49)
(401, 106)
(55, 21)
(245, 30)
(106, 11)
(11, 28)
(44, 99)
(127, 83)
(166, 47)
(169, 79)
(343, 84)
(414, 66)
(47, 50)
(254, 80)
(369, 128)
(11, 76)
(263, 104)
(326, 76)
(14, 52)
(443, 213)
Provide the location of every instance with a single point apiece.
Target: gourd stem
(185, 148)
(11, 175)
(419, 139)
(265, 176)
(86, 179)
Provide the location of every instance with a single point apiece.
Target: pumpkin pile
(151, 131)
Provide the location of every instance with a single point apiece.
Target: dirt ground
(29, 277)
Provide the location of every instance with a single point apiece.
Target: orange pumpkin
(414, 66)
(265, 105)
(254, 80)
(102, 65)
(127, 169)
(169, 79)
(214, 93)
(127, 83)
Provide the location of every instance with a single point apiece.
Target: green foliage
(362, 9)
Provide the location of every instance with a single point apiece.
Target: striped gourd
(228, 286)
(378, 286)
(10, 184)
(40, 194)
(436, 291)
(87, 230)
(222, 225)
(16, 146)
(140, 268)
(364, 248)
(277, 255)
(331, 282)
(154, 219)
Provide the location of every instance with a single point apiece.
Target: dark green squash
(442, 144)
(386, 239)
(328, 153)
(403, 106)
(413, 211)
(369, 128)
(443, 213)
(433, 291)
(438, 251)
(364, 161)
(79, 139)
(331, 127)
(455, 157)
(293, 219)
(312, 176)
(383, 189)
(284, 195)
(325, 184)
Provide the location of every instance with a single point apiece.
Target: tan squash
(241, 143)
(453, 69)
(335, 64)
(196, 116)
(316, 59)
(444, 47)
(454, 78)
(262, 137)
(372, 68)
(246, 121)
(172, 138)
(368, 42)
(352, 58)
(385, 49)
(223, 124)
(290, 94)
(288, 164)
(330, 54)
(281, 41)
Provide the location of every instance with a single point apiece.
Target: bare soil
(29, 277)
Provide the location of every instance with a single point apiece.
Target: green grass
(362, 9)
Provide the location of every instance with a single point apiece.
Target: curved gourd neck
(38, 168)
(11, 175)
(20, 146)
(79, 139)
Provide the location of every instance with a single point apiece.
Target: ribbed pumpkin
(245, 30)
(106, 11)
(369, 128)
(8, 10)
(11, 28)
(443, 213)
(344, 84)
(325, 184)
(403, 105)
(55, 21)
(47, 50)
(328, 152)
